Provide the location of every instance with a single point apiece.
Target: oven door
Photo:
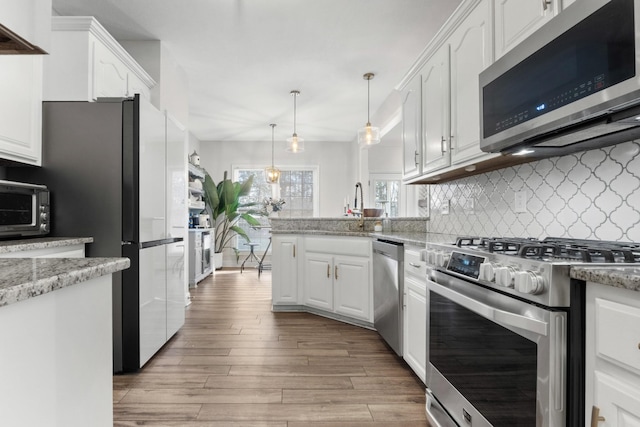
(493, 360)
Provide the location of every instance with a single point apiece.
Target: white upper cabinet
(515, 20)
(21, 82)
(87, 63)
(436, 111)
(471, 52)
(411, 129)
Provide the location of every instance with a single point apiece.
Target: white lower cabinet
(153, 309)
(415, 313)
(612, 357)
(284, 267)
(329, 274)
(338, 283)
(318, 280)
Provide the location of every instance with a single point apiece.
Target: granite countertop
(619, 277)
(406, 237)
(41, 243)
(24, 278)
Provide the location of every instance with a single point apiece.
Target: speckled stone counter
(24, 278)
(619, 277)
(8, 246)
(404, 230)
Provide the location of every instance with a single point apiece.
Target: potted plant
(222, 201)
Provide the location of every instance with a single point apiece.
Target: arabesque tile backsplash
(587, 195)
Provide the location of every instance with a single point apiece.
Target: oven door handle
(500, 316)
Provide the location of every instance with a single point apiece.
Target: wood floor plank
(164, 411)
(182, 396)
(351, 396)
(235, 363)
(212, 424)
(281, 412)
(285, 382)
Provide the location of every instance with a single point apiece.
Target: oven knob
(529, 282)
(505, 276)
(44, 216)
(442, 259)
(44, 227)
(488, 271)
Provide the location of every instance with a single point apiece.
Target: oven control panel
(465, 264)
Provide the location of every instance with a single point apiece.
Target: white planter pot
(217, 260)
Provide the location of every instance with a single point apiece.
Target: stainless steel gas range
(505, 344)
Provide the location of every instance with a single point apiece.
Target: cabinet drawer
(339, 246)
(413, 265)
(618, 333)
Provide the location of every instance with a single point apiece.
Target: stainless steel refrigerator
(116, 170)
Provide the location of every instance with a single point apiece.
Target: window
(386, 194)
(298, 187)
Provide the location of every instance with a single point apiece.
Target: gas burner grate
(556, 249)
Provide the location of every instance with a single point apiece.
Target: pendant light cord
(273, 126)
(295, 95)
(368, 99)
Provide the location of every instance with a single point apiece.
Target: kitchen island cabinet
(55, 324)
(285, 256)
(337, 276)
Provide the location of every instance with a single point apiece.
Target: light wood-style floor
(235, 363)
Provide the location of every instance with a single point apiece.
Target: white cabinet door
(436, 111)
(318, 280)
(153, 301)
(176, 185)
(284, 252)
(415, 325)
(21, 108)
(618, 403)
(175, 287)
(352, 287)
(152, 173)
(471, 52)
(109, 73)
(515, 20)
(411, 129)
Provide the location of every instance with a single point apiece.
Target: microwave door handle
(503, 317)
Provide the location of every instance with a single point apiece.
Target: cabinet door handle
(328, 271)
(414, 265)
(546, 4)
(443, 148)
(335, 272)
(415, 157)
(294, 251)
(595, 416)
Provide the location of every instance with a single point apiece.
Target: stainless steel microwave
(570, 86)
(24, 209)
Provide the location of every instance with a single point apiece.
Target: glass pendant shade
(368, 135)
(295, 144)
(271, 173)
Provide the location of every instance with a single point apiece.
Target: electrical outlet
(520, 201)
(444, 209)
(469, 205)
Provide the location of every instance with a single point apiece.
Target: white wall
(336, 161)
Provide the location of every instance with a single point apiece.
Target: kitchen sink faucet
(355, 205)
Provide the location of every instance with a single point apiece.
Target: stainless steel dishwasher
(388, 290)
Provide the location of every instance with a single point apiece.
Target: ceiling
(242, 58)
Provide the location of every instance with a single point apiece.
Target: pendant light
(295, 144)
(368, 135)
(272, 174)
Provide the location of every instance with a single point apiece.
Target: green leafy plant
(222, 201)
